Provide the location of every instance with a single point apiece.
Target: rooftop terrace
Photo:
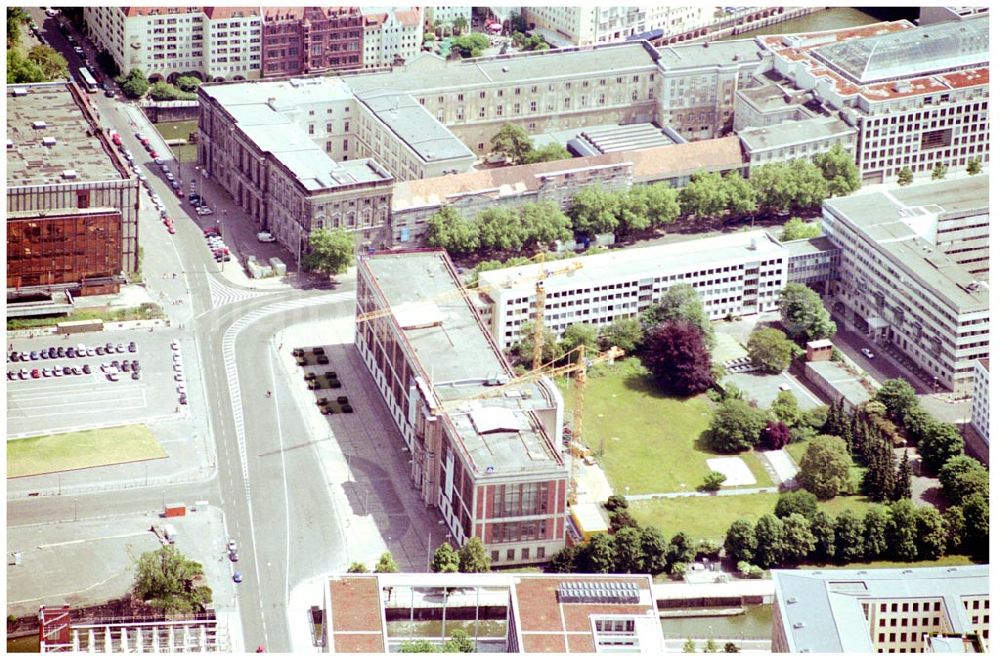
(49, 137)
(457, 356)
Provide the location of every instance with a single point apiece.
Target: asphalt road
(273, 493)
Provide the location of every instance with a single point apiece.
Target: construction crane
(578, 368)
(539, 321)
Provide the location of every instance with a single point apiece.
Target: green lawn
(710, 517)
(79, 450)
(174, 130)
(644, 440)
(727, 348)
(943, 561)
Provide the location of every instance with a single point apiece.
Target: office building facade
(585, 26)
(897, 282)
(484, 457)
(736, 274)
(981, 399)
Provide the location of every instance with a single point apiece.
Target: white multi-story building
(221, 43)
(735, 274)
(981, 399)
(918, 96)
(392, 36)
(900, 610)
(913, 272)
(582, 26)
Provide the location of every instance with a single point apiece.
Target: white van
(169, 533)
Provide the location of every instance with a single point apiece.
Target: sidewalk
(303, 596)
(721, 493)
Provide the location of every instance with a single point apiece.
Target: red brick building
(310, 40)
(483, 456)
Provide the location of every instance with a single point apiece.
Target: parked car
(132, 347)
(135, 375)
(158, 161)
(171, 230)
(153, 153)
(46, 372)
(266, 237)
(868, 353)
(86, 369)
(238, 577)
(234, 556)
(35, 373)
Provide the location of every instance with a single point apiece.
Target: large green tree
(447, 229)
(898, 397)
(803, 314)
(22, 70)
(798, 501)
(826, 541)
(386, 563)
(735, 427)
(770, 349)
(932, 533)
(628, 553)
(901, 531)
(470, 45)
(940, 443)
(331, 251)
(770, 536)
(576, 335)
(500, 228)
(549, 152)
(875, 522)
(624, 333)
(599, 554)
(134, 84)
(680, 302)
(839, 171)
(171, 582)
(962, 477)
(795, 228)
(825, 467)
(849, 536)
(595, 210)
(676, 356)
(544, 222)
(524, 348)
(51, 62)
(799, 540)
(661, 203)
(976, 513)
(705, 196)
(473, 557)
(741, 541)
(786, 409)
(445, 559)
(655, 551)
(511, 141)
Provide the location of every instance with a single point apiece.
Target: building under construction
(483, 455)
(72, 203)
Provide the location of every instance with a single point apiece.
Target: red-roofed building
(513, 613)
(218, 43)
(392, 35)
(311, 40)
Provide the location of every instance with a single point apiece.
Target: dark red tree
(775, 435)
(675, 354)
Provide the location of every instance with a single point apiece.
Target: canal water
(827, 19)
(755, 623)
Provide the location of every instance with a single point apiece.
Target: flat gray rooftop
(458, 355)
(794, 133)
(800, 247)
(881, 217)
(32, 163)
(711, 53)
(661, 259)
(415, 126)
(429, 72)
(826, 603)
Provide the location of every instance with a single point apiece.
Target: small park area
(187, 153)
(80, 450)
(645, 441)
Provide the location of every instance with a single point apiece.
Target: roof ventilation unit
(19, 91)
(39, 124)
(48, 142)
(799, 625)
(69, 174)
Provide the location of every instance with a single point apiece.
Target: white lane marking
(284, 477)
(236, 398)
(77, 542)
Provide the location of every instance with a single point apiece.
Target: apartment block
(310, 40)
(584, 26)
(735, 274)
(483, 456)
(912, 610)
(512, 612)
(392, 35)
(981, 400)
(72, 203)
(447, 16)
(901, 279)
(220, 43)
(918, 96)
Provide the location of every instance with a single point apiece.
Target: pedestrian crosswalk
(223, 294)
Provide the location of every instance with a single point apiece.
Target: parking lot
(104, 397)
(764, 388)
(91, 561)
